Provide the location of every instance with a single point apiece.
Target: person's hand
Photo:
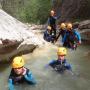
(79, 42)
(24, 71)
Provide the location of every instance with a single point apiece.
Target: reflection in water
(48, 79)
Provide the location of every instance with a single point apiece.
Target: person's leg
(65, 44)
(55, 32)
(10, 84)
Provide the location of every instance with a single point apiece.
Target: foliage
(32, 11)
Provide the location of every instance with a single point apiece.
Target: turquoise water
(47, 79)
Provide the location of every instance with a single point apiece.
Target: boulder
(16, 38)
(84, 27)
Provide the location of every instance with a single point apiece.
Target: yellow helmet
(49, 27)
(63, 26)
(69, 26)
(18, 62)
(62, 51)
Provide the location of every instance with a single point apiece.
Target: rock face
(84, 27)
(72, 9)
(15, 37)
(84, 24)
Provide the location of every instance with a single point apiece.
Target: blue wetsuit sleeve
(10, 85)
(78, 35)
(30, 78)
(64, 38)
(51, 62)
(67, 65)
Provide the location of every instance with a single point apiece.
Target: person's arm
(10, 85)
(64, 38)
(51, 62)
(10, 81)
(58, 36)
(57, 17)
(30, 78)
(78, 37)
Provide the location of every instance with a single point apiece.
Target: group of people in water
(20, 74)
(69, 33)
(70, 39)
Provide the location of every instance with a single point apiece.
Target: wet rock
(72, 9)
(16, 38)
(84, 27)
(36, 27)
(84, 24)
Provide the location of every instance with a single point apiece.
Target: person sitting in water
(60, 64)
(19, 73)
(49, 36)
(71, 38)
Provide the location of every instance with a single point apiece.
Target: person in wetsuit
(20, 74)
(52, 22)
(49, 37)
(62, 31)
(61, 64)
(71, 38)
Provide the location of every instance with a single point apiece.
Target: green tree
(37, 11)
(32, 11)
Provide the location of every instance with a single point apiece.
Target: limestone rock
(15, 37)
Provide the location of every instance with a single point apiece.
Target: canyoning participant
(49, 36)
(19, 73)
(62, 31)
(75, 29)
(52, 21)
(60, 64)
(72, 37)
(76, 25)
